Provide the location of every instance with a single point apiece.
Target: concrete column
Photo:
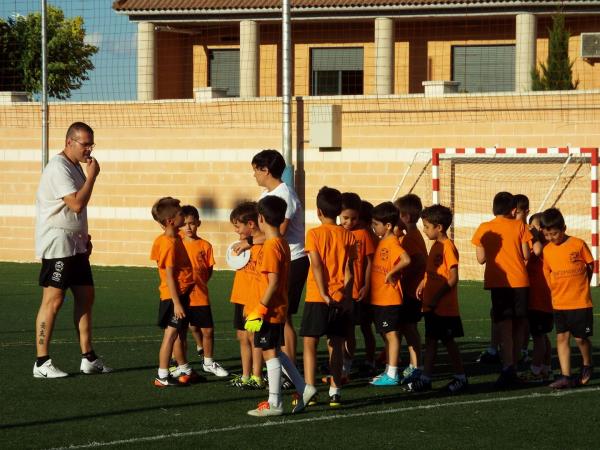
(249, 54)
(384, 56)
(525, 51)
(146, 61)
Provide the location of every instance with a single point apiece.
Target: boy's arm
(404, 262)
(273, 279)
(364, 291)
(177, 307)
(480, 254)
(447, 287)
(316, 265)
(259, 238)
(589, 271)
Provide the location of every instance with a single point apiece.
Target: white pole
(286, 84)
(44, 85)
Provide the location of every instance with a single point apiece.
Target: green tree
(69, 57)
(557, 73)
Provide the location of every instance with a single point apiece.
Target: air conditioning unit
(590, 45)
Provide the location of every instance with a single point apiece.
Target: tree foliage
(69, 57)
(557, 73)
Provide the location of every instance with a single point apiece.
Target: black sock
(41, 360)
(90, 356)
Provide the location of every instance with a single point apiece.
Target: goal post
(466, 180)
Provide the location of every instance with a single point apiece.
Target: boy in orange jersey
(266, 311)
(386, 294)
(409, 209)
(331, 250)
(438, 290)
(244, 218)
(176, 282)
(200, 317)
(568, 264)
(349, 220)
(502, 244)
(539, 311)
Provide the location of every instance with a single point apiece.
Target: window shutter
(225, 71)
(484, 68)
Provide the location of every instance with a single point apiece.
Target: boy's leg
(564, 352)
(539, 351)
(257, 358)
(369, 338)
(274, 376)
(290, 339)
(413, 342)
(52, 301)
(166, 349)
(180, 347)
(207, 341)
(245, 353)
(519, 328)
(82, 315)
(430, 355)
(335, 346)
(455, 358)
(547, 361)
(310, 358)
(197, 334)
(507, 347)
(585, 348)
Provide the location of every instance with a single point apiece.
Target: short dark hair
(438, 215)
(521, 202)
(271, 160)
(329, 201)
(385, 213)
(189, 210)
(552, 219)
(165, 208)
(535, 216)
(410, 204)
(273, 209)
(244, 213)
(504, 203)
(76, 127)
(365, 214)
(351, 200)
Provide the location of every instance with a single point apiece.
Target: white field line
(159, 437)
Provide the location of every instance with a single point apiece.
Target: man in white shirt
(63, 244)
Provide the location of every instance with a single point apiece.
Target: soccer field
(124, 410)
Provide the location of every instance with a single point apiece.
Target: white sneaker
(308, 394)
(47, 370)
(265, 409)
(96, 366)
(216, 369)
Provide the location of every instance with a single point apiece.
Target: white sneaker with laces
(216, 369)
(47, 370)
(308, 394)
(96, 366)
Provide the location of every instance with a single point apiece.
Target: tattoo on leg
(42, 333)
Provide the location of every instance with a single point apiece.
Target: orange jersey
(336, 247)
(170, 252)
(414, 244)
(540, 298)
(566, 266)
(443, 256)
(386, 256)
(245, 279)
(501, 238)
(201, 256)
(273, 258)
(364, 247)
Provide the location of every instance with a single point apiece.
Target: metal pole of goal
(286, 131)
(44, 103)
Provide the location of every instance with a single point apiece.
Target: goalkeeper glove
(254, 320)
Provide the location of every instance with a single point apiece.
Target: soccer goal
(466, 180)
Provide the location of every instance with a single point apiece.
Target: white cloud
(94, 39)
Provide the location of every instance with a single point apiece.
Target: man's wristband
(250, 240)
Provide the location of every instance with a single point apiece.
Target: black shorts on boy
(386, 318)
(410, 310)
(238, 317)
(269, 336)
(509, 303)
(578, 322)
(166, 313)
(540, 322)
(201, 316)
(62, 273)
(319, 319)
(443, 328)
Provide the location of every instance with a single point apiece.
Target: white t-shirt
(294, 212)
(59, 232)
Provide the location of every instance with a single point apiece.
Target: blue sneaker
(377, 377)
(386, 380)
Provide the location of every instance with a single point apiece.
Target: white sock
(184, 368)
(208, 361)
(292, 372)
(334, 390)
(392, 371)
(274, 375)
(163, 373)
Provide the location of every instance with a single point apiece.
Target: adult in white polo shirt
(268, 166)
(63, 244)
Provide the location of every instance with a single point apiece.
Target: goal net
(466, 180)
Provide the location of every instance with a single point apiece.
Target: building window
(224, 71)
(336, 71)
(484, 68)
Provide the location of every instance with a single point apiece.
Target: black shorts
(297, 279)
(318, 320)
(578, 322)
(238, 317)
(269, 336)
(201, 316)
(361, 313)
(509, 303)
(540, 322)
(166, 315)
(62, 273)
(410, 310)
(386, 318)
(443, 328)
